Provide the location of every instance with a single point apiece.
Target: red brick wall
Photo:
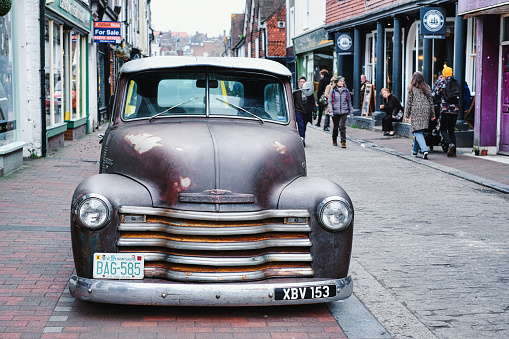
(276, 37)
(337, 11)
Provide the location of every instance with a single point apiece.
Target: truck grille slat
(214, 247)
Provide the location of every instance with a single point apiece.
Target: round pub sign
(344, 42)
(433, 20)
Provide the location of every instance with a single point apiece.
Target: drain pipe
(42, 79)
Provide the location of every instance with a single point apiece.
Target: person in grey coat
(419, 111)
(340, 106)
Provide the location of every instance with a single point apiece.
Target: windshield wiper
(240, 108)
(169, 109)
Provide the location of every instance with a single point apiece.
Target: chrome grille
(213, 247)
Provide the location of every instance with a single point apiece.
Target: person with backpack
(340, 106)
(448, 90)
(322, 84)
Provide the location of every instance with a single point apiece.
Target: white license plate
(118, 266)
(305, 292)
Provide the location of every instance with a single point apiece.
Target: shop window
(7, 116)
(101, 83)
(471, 54)
(414, 54)
(75, 76)
(505, 28)
(370, 57)
(53, 74)
(389, 43)
(443, 50)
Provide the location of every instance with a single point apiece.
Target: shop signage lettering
(107, 32)
(433, 23)
(75, 10)
(344, 43)
(310, 41)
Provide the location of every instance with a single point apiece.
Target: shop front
(67, 24)
(11, 146)
(491, 20)
(314, 51)
(390, 45)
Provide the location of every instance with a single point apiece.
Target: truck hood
(207, 165)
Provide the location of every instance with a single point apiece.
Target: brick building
(263, 31)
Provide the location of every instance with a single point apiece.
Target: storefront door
(504, 115)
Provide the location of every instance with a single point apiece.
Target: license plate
(118, 266)
(305, 292)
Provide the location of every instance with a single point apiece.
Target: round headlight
(93, 211)
(335, 214)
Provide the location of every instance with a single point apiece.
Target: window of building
(413, 54)
(306, 15)
(443, 50)
(388, 52)
(53, 74)
(471, 54)
(7, 115)
(370, 57)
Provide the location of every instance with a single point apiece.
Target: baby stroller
(433, 136)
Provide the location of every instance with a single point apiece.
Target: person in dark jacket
(391, 106)
(448, 113)
(322, 84)
(340, 106)
(304, 106)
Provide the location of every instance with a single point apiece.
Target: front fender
(119, 190)
(330, 251)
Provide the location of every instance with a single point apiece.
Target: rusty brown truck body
(202, 196)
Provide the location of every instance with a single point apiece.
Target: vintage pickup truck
(202, 196)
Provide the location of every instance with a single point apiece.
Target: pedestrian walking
(340, 106)
(391, 106)
(448, 91)
(419, 111)
(322, 85)
(304, 106)
(326, 123)
(362, 90)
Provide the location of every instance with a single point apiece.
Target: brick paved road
(36, 262)
(430, 249)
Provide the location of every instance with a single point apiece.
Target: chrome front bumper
(165, 293)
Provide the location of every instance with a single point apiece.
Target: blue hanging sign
(344, 43)
(433, 21)
(107, 32)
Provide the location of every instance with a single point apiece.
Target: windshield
(158, 95)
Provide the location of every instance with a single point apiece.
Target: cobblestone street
(429, 259)
(434, 245)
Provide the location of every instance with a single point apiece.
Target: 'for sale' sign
(107, 32)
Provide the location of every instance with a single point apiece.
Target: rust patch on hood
(280, 148)
(143, 142)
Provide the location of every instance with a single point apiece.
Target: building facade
(389, 45)
(55, 81)
(309, 48)
(263, 31)
(491, 120)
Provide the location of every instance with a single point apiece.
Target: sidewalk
(489, 171)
